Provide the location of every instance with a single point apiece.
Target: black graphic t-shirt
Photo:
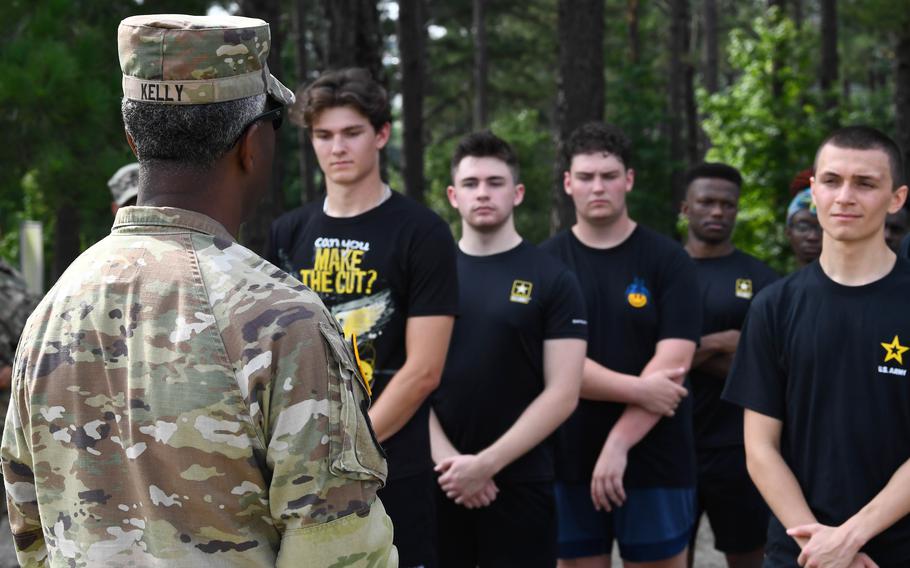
(636, 293)
(374, 271)
(510, 303)
(830, 362)
(727, 285)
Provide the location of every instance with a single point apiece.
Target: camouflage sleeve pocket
(354, 451)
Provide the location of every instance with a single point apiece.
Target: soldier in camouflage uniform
(15, 306)
(177, 400)
(124, 186)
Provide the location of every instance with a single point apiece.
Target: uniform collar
(128, 219)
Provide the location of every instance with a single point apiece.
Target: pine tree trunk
(828, 69)
(711, 75)
(902, 96)
(632, 17)
(411, 45)
(66, 239)
(256, 229)
(682, 123)
(581, 87)
(306, 157)
(480, 65)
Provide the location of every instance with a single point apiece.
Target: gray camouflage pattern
(179, 401)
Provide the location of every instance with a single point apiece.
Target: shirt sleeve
(433, 280)
(327, 508)
(19, 482)
(565, 315)
(678, 299)
(757, 380)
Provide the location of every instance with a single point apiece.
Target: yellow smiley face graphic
(637, 300)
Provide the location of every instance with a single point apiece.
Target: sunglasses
(276, 115)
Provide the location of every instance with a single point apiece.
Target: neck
(698, 248)
(604, 236)
(204, 193)
(485, 243)
(349, 200)
(856, 263)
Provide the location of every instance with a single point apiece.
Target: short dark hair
(193, 136)
(596, 137)
(485, 144)
(868, 138)
(353, 87)
(713, 170)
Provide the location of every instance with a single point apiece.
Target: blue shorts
(653, 524)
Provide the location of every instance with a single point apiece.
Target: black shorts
(411, 504)
(517, 529)
(735, 508)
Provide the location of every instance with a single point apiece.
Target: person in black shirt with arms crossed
(385, 267)
(511, 377)
(640, 292)
(728, 280)
(821, 370)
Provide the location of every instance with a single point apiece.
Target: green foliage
(62, 135)
(768, 137)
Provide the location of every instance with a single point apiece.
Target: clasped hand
(468, 480)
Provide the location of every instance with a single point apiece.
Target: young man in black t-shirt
(644, 317)
(821, 370)
(511, 377)
(728, 279)
(385, 267)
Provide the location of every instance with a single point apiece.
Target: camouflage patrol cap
(124, 184)
(178, 59)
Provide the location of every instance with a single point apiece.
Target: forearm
(426, 344)
(440, 445)
(539, 420)
(890, 505)
(771, 474)
(717, 366)
(636, 422)
(401, 398)
(601, 383)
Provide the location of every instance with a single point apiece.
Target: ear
(684, 208)
(519, 195)
(129, 140)
(630, 179)
(898, 198)
(450, 193)
(567, 182)
(812, 188)
(247, 155)
(382, 136)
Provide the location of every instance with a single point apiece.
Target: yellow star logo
(895, 351)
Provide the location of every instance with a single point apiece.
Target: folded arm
(635, 422)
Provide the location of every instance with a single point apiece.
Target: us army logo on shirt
(744, 288)
(637, 293)
(521, 291)
(894, 351)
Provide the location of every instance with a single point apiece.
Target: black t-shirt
(727, 286)
(636, 293)
(374, 271)
(510, 303)
(830, 362)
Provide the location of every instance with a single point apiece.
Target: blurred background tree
(755, 83)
